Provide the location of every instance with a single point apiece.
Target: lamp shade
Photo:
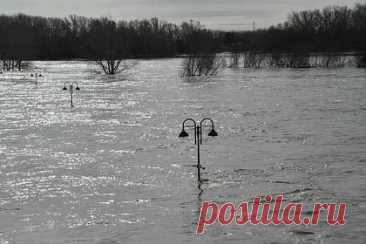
(212, 133)
(183, 133)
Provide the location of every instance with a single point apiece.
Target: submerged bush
(298, 60)
(277, 60)
(287, 60)
(253, 59)
(234, 59)
(328, 60)
(361, 60)
(202, 65)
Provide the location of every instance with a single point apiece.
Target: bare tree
(109, 66)
(115, 66)
(202, 65)
(18, 43)
(202, 59)
(305, 21)
(109, 44)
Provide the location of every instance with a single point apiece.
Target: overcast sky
(215, 14)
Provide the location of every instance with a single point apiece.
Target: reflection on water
(112, 170)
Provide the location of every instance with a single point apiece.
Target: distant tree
(332, 29)
(359, 27)
(108, 44)
(199, 45)
(359, 17)
(305, 21)
(17, 45)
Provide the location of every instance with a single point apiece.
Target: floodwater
(113, 170)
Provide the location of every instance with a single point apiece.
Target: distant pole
(71, 91)
(253, 25)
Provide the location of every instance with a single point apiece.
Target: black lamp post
(36, 75)
(72, 86)
(198, 138)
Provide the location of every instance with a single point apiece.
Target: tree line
(335, 28)
(86, 38)
(107, 41)
(327, 32)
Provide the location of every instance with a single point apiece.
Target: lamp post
(198, 126)
(36, 75)
(72, 86)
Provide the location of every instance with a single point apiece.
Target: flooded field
(113, 170)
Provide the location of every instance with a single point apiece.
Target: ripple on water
(112, 167)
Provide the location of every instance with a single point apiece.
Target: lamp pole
(72, 86)
(198, 127)
(198, 153)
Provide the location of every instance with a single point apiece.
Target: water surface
(112, 169)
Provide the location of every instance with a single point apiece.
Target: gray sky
(215, 14)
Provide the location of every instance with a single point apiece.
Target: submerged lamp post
(36, 75)
(198, 126)
(72, 86)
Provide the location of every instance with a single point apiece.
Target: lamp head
(212, 133)
(77, 88)
(183, 133)
(65, 88)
